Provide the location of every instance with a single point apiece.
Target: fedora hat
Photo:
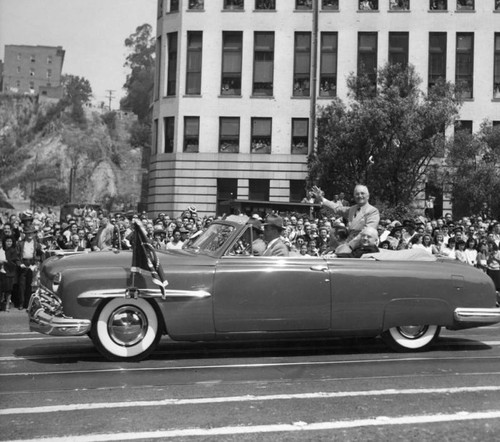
(256, 224)
(274, 220)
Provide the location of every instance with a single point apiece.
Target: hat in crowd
(394, 224)
(158, 228)
(256, 216)
(183, 230)
(29, 230)
(275, 221)
(256, 224)
(192, 209)
(458, 229)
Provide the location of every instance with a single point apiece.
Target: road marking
(246, 398)
(261, 365)
(379, 421)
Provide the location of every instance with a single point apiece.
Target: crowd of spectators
(29, 237)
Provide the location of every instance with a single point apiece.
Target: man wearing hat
(29, 251)
(258, 244)
(272, 235)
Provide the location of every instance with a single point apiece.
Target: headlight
(56, 281)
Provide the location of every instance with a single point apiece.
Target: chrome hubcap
(413, 331)
(127, 325)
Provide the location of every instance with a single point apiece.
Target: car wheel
(126, 329)
(411, 337)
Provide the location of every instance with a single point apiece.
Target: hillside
(40, 143)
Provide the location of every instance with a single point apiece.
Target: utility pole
(110, 97)
(314, 79)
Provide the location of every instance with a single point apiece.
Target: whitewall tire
(411, 337)
(126, 329)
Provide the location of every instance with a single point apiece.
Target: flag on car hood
(144, 257)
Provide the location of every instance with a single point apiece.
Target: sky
(92, 32)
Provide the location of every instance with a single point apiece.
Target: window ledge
(300, 97)
(468, 99)
(367, 11)
(496, 100)
(266, 97)
(326, 97)
(264, 10)
(329, 10)
(230, 96)
(171, 12)
(461, 11)
(438, 11)
(233, 10)
(192, 96)
(399, 10)
(195, 10)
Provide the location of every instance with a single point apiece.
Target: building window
(496, 123)
(368, 5)
(155, 136)
(399, 5)
(496, 68)
(18, 56)
(300, 136)
(232, 46)
(172, 63)
(302, 64)
(467, 5)
(258, 190)
(158, 50)
(233, 4)
(191, 134)
(330, 5)
(32, 59)
(193, 68)
(169, 128)
(32, 86)
(49, 73)
(174, 5)
(159, 9)
(497, 5)
(265, 4)
(303, 4)
(49, 59)
(196, 4)
(227, 189)
(464, 68)
(328, 69)
(32, 72)
(261, 135)
(438, 5)
(297, 190)
(19, 69)
(398, 48)
(229, 135)
(437, 57)
(463, 126)
(18, 83)
(367, 55)
(263, 63)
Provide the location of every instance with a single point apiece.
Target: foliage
(109, 119)
(140, 82)
(140, 135)
(474, 171)
(76, 89)
(384, 140)
(49, 196)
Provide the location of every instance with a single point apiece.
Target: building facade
(237, 83)
(33, 70)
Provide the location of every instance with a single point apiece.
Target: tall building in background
(33, 70)
(236, 78)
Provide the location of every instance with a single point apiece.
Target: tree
(384, 139)
(49, 196)
(76, 89)
(474, 171)
(140, 81)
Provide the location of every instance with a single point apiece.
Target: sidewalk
(14, 321)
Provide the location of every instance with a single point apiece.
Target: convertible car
(219, 290)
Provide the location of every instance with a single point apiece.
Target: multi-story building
(33, 70)
(237, 83)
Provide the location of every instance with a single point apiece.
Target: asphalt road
(62, 389)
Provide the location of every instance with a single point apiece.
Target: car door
(266, 293)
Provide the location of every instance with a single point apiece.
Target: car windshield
(213, 240)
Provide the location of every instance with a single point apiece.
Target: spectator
(29, 252)
(176, 242)
(9, 261)
(272, 235)
(103, 239)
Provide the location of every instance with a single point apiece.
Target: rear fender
(417, 311)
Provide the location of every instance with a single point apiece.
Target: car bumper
(46, 316)
(477, 315)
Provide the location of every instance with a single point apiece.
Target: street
(63, 389)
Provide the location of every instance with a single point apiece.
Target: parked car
(218, 290)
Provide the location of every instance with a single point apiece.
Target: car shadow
(169, 350)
